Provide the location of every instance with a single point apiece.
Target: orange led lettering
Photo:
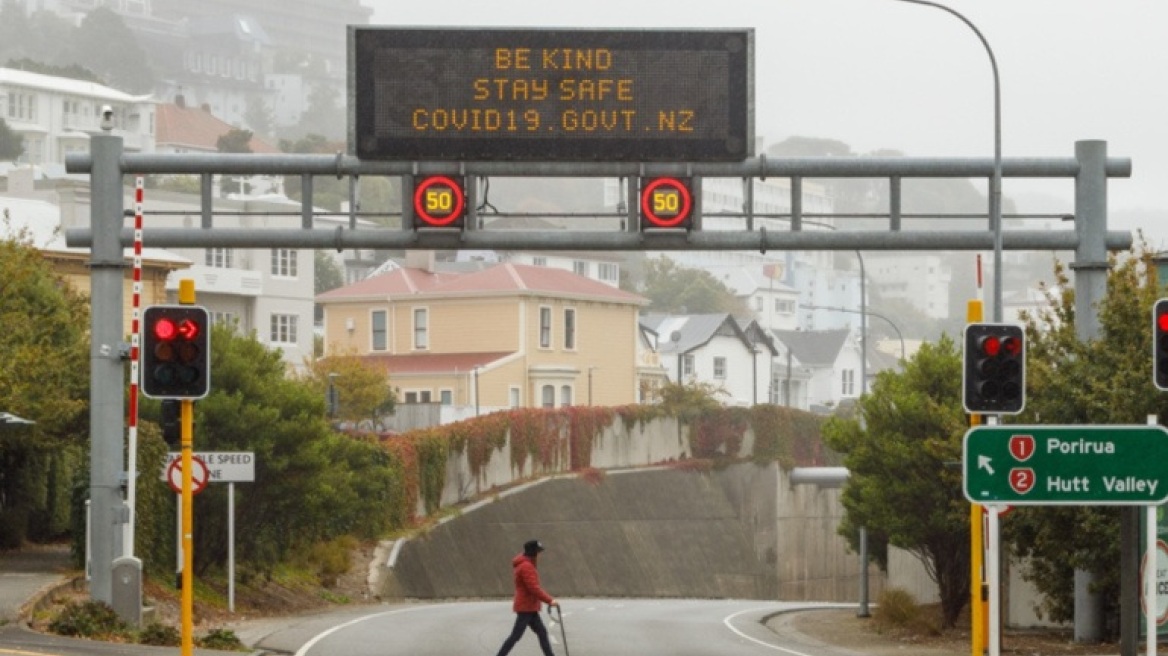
(576, 59)
(506, 58)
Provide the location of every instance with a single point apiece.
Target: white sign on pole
(223, 466)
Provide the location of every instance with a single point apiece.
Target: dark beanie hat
(532, 547)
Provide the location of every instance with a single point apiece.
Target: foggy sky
(889, 74)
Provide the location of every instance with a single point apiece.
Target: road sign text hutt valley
(1048, 465)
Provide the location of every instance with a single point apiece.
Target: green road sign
(1051, 465)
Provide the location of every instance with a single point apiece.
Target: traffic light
(994, 372)
(1160, 344)
(666, 203)
(176, 352)
(171, 422)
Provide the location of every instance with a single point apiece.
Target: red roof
(196, 129)
(435, 363)
(501, 279)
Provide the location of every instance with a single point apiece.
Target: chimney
(423, 260)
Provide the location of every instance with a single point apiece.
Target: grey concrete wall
(742, 532)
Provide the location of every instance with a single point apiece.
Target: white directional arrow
(983, 462)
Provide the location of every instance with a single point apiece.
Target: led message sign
(551, 95)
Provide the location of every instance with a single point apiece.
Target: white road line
(324, 634)
(729, 618)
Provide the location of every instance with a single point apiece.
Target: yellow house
(38, 222)
(511, 335)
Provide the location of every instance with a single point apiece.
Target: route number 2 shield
(1022, 479)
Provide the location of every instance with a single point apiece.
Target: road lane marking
(17, 652)
(324, 634)
(729, 618)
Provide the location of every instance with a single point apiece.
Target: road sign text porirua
(1052, 465)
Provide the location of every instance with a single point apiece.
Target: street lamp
(996, 180)
(870, 313)
(590, 383)
(476, 389)
(332, 398)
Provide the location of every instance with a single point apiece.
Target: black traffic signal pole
(107, 235)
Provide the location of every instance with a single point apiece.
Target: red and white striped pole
(135, 341)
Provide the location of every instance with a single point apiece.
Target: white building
(56, 115)
(715, 349)
(921, 280)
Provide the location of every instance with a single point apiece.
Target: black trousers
(522, 621)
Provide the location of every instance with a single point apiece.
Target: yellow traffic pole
(186, 296)
(978, 602)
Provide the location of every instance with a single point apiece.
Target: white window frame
(284, 264)
(848, 382)
(446, 396)
(687, 365)
(565, 396)
(282, 328)
(719, 367)
(545, 326)
(374, 332)
(570, 329)
(544, 393)
(608, 272)
(421, 333)
(219, 258)
(514, 397)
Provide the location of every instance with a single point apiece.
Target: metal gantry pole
(106, 397)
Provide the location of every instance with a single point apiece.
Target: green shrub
(223, 639)
(90, 619)
(160, 635)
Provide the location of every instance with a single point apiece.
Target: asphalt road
(612, 627)
(608, 627)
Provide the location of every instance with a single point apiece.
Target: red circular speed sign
(439, 201)
(666, 203)
(199, 475)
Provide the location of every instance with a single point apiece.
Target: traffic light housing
(994, 372)
(176, 352)
(1160, 344)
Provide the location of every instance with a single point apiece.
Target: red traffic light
(176, 352)
(165, 329)
(1160, 344)
(991, 346)
(994, 370)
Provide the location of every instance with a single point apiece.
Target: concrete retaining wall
(743, 532)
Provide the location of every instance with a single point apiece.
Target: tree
(106, 46)
(1107, 380)
(327, 275)
(363, 388)
(233, 141)
(11, 143)
(901, 487)
(378, 195)
(44, 377)
(312, 485)
(673, 288)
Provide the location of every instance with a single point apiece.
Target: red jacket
(528, 594)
